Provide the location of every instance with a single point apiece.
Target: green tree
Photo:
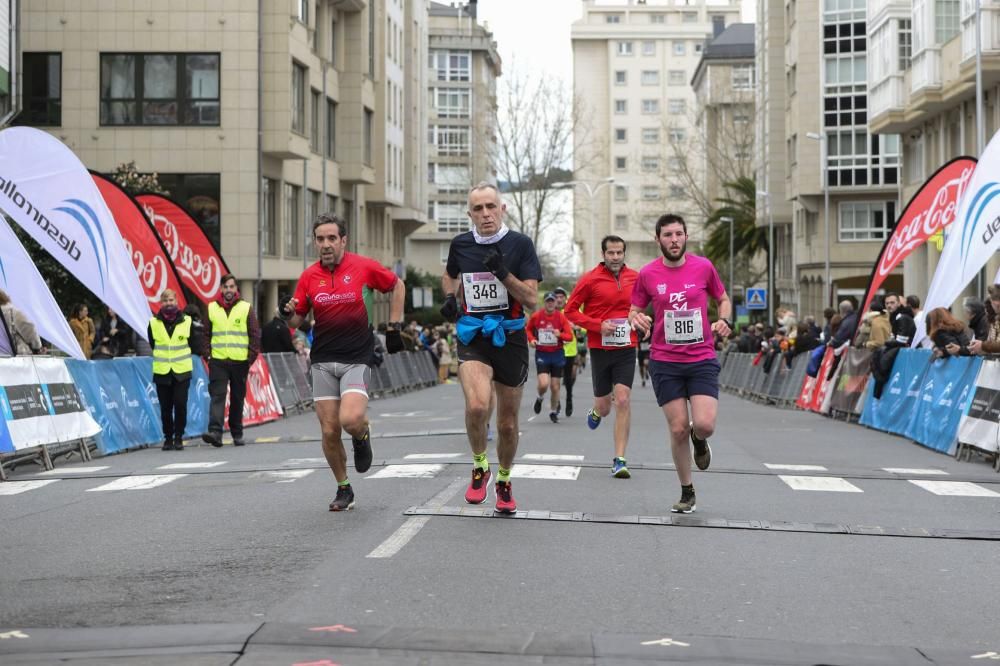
(749, 240)
(128, 176)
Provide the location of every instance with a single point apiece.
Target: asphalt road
(237, 561)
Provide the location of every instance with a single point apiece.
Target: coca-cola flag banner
(931, 210)
(973, 238)
(152, 265)
(50, 194)
(197, 261)
(28, 292)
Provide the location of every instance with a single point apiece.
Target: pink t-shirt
(680, 297)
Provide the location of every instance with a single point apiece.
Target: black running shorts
(683, 380)
(509, 363)
(611, 366)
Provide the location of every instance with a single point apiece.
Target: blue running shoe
(593, 419)
(619, 469)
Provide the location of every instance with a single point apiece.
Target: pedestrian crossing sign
(756, 299)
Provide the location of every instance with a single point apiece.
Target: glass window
(200, 194)
(451, 178)
(650, 193)
(676, 106)
(452, 102)
(302, 11)
(620, 106)
(650, 134)
(657, 18)
(449, 217)
(947, 20)
(312, 212)
(679, 48)
(649, 48)
(650, 163)
(866, 221)
(334, 60)
(270, 215)
(620, 135)
(612, 18)
(690, 17)
(450, 140)
(293, 242)
(677, 77)
(620, 77)
(677, 192)
(905, 44)
(315, 120)
(451, 65)
(331, 129)
(698, 48)
(621, 222)
(650, 106)
(42, 95)
(160, 89)
(743, 77)
(367, 129)
(624, 48)
(298, 98)
(677, 134)
(621, 193)
(650, 77)
(620, 163)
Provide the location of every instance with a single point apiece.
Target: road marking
(796, 468)
(554, 472)
(18, 487)
(420, 471)
(305, 461)
(993, 656)
(192, 465)
(914, 471)
(336, 628)
(666, 642)
(413, 525)
(282, 475)
(431, 456)
(821, 483)
(17, 633)
(141, 482)
(954, 488)
(550, 456)
(267, 440)
(73, 470)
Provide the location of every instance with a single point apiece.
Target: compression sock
(345, 482)
(479, 460)
(503, 475)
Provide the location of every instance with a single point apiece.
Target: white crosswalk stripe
(914, 471)
(141, 482)
(415, 471)
(795, 468)
(72, 470)
(18, 487)
(553, 472)
(954, 488)
(431, 456)
(551, 457)
(282, 475)
(192, 465)
(820, 483)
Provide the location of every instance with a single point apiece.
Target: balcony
(886, 100)
(925, 71)
(990, 29)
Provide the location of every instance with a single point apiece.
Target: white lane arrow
(667, 642)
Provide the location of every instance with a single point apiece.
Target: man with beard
(604, 294)
(683, 366)
(343, 344)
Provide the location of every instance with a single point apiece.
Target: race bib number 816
(683, 327)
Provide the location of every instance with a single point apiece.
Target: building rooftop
(736, 41)
(453, 9)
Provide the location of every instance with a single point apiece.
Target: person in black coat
(275, 337)
(114, 336)
(975, 311)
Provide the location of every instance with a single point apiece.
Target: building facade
(632, 68)
(461, 136)
(335, 88)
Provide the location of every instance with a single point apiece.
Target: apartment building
(336, 88)
(923, 88)
(461, 110)
(830, 153)
(632, 68)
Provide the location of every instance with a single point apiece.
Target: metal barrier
(780, 386)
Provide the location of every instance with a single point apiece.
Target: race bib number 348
(484, 292)
(683, 327)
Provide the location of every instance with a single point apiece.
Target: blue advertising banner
(893, 412)
(6, 444)
(945, 394)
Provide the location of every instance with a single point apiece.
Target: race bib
(620, 337)
(547, 337)
(683, 327)
(484, 292)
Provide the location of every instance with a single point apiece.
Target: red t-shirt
(341, 332)
(555, 325)
(603, 296)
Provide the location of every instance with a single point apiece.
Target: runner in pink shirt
(682, 366)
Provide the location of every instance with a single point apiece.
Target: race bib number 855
(484, 292)
(683, 327)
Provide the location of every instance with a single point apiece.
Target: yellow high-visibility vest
(171, 352)
(230, 340)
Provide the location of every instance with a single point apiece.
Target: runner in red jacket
(548, 329)
(605, 296)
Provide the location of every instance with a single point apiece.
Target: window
(679, 49)
(676, 163)
(677, 134)
(200, 193)
(331, 129)
(315, 120)
(620, 77)
(791, 77)
(621, 222)
(649, 48)
(866, 221)
(612, 18)
(621, 193)
(905, 44)
(371, 44)
(367, 128)
(624, 48)
(312, 212)
(451, 65)
(270, 215)
(449, 217)
(452, 102)
(159, 88)
(302, 11)
(42, 96)
(620, 163)
(677, 192)
(947, 20)
(690, 17)
(741, 117)
(650, 193)
(334, 60)
(451, 178)
(743, 77)
(650, 163)
(698, 48)
(620, 106)
(620, 135)
(298, 98)
(450, 140)
(718, 24)
(676, 107)
(650, 134)
(650, 106)
(677, 77)
(657, 18)
(650, 77)
(291, 210)
(792, 148)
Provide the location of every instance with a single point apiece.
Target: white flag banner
(46, 189)
(973, 238)
(28, 291)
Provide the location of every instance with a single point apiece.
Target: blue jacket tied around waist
(491, 326)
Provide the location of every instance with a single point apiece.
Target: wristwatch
(394, 326)
(728, 323)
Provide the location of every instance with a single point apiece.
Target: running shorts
(332, 380)
(509, 363)
(672, 381)
(550, 362)
(611, 366)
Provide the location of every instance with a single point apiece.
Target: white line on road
(141, 482)
(550, 456)
(914, 471)
(73, 470)
(822, 483)
(431, 456)
(305, 461)
(18, 487)
(954, 488)
(192, 465)
(420, 471)
(282, 475)
(555, 472)
(413, 525)
(796, 468)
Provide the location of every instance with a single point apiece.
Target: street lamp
(770, 257)
(730, 221)
(824, 154)
(591, 190)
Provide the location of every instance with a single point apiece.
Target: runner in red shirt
(605, 295)
(343, 344)
(548, 329)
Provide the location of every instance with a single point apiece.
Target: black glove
(393, 341)
(494, 263)
(284, 313)
(450, 308)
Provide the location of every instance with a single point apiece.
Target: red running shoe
(505, 500)
(479, 488)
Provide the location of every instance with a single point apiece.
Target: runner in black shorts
(644, 360)
(604, 294)
(490, 279)
(570, 352)
(683, 366)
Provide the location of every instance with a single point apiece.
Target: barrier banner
(809, 384)
(944, 398)
(822, 384)
(849, 390)
(198, 262)
(261, 404)
(981, 426)
(155, 270)
(6, 444)
(46, 189)
(40, 403)
(892, 413)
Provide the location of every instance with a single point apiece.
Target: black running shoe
(538, 405)
(569, 405)
(687, 503)
(167, 445)
(702, 451)
(362, 451)
(215, 439)
(344, 501)
(554, 417)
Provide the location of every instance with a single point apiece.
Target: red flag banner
(930, 210)
(261, 404)
(198, 262)
(156, 271)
